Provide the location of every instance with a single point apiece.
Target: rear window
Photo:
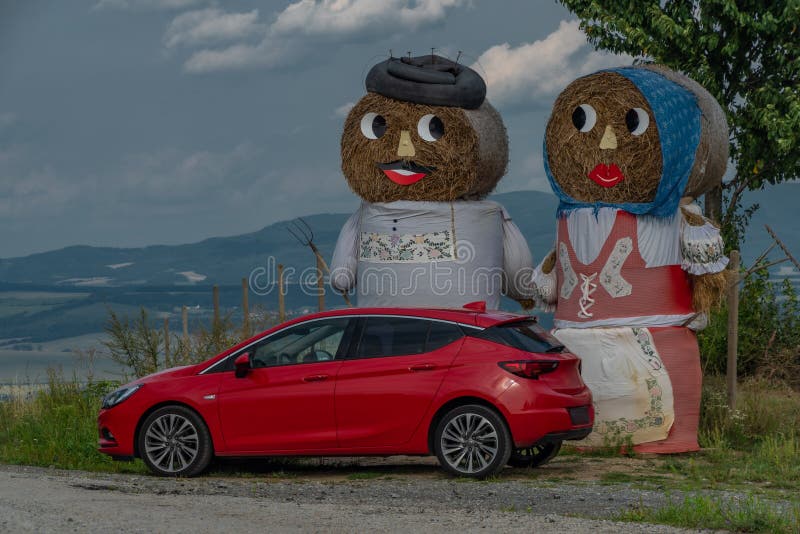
(523, 335)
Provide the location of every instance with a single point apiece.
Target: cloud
(526, 76)
(211, 25)
(153, 5)
(348, 17)
(342, 111)
(305, 25)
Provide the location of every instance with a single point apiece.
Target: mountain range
(68, 292)
(225, 260)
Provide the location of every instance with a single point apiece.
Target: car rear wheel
(174, 441)
(472, 441)
(534, 456)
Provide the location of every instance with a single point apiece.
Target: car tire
(472, 441)
(175, 442)
(534, 456)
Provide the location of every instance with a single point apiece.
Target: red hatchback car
(477, 389)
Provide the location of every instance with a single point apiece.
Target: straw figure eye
(584, 118)
(637, 120)
(430, 128)
(373, 125)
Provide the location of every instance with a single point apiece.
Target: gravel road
(49, 500)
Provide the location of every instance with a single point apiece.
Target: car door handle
(422, 367)
(315, 378)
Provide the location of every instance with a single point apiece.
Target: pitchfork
(304, 235)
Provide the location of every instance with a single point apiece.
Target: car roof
(465, 316)
(481, 319)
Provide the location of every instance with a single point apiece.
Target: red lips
(403, 177)
(606, 175)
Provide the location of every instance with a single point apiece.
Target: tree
(745, 52)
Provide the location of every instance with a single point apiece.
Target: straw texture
(469, 158)
(572, 154)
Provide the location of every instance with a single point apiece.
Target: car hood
(172, 372)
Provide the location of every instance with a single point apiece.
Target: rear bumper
(538, 415)
(556, 437)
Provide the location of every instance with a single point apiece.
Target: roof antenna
(458, 57)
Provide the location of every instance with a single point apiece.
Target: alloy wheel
(469, 443)
(171, 443)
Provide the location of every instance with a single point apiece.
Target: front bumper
(116, 431)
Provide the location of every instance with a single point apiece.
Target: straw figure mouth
(405, 172)
(606, 175)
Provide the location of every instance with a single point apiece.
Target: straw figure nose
(609, 140)
(405, 149)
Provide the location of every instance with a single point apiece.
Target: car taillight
(529, 368)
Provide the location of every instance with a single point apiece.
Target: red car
(478, 389)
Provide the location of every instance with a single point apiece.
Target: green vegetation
(57, 427)
(769, 332)
(738, 515)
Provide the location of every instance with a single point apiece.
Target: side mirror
(242, 365)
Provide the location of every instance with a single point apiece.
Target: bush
(769, 332)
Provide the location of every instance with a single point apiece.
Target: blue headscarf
(677, 118)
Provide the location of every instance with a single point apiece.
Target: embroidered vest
(617, 284)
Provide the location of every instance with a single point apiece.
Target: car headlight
(119, 395)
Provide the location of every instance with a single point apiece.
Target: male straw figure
(422, 149)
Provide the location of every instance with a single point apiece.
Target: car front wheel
(174, 441)
(472, 441)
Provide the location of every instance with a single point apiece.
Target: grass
(57, 427)
(738, 515)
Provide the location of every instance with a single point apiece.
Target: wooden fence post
(281, 300)
(733, 330)
(185, 322)
(245, 308)
(166, 343)
(216, 306)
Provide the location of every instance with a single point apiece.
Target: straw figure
(636, 265)
(422, 149)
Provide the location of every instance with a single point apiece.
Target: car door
(389, 378)
(285, 402)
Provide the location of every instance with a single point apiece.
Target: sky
(137, 122)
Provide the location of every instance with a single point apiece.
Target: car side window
(442, 334)
(314, 341)
(392, 336)
(402, 336)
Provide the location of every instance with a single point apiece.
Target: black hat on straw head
(429, 79)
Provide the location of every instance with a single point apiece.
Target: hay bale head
(413, 138)
(604, 139)
(593, 151)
